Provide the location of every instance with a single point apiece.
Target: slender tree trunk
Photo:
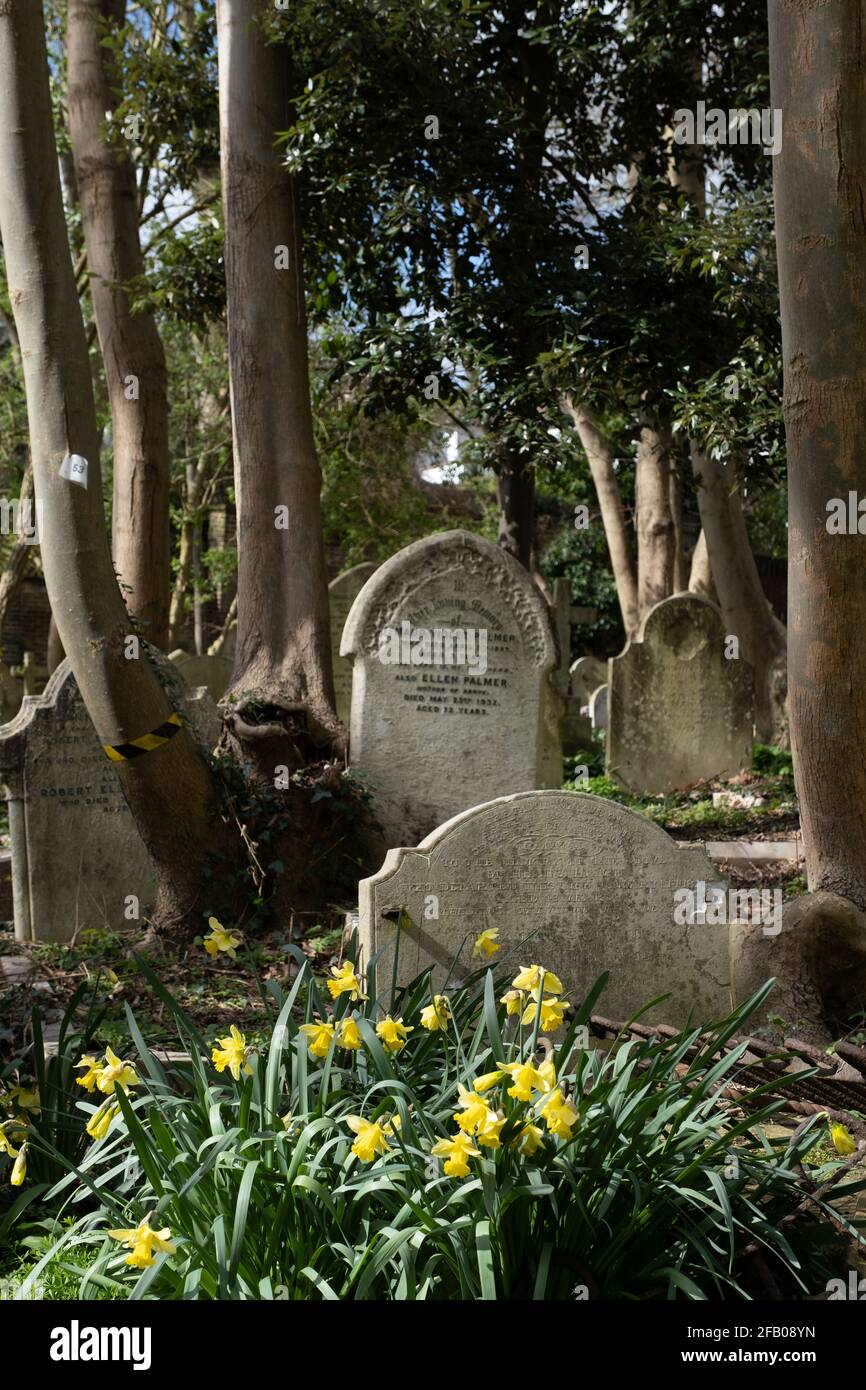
(283, 633)
(515, 490)
(600, 457)
(818, 79)
(675, 496)
(135, 371)
(656, 529)
(169, 790)
(54, 653)
(701, 575)
(744, 605)
(19, 553)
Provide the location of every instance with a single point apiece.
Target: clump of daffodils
(105, 1076)
(528, 997)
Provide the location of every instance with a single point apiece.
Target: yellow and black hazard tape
(120, 752)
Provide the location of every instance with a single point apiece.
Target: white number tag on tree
(74, 469)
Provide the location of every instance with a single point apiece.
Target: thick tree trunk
(283, 636)
(656, 528)
(170, 789)
(744, 605)
(135, 371)
(818, 79)
(700, 574)
(600, 457)
(515, 491)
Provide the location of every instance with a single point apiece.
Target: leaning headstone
(586, 675)
(211, 671)
(598, 707)
(680, 711)
(76, 853)
(452, 646)
(601, 887)
(342, 593)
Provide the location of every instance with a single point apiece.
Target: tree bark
(818, 79)
(745, 608)
(135, 370)
(169, 790)
(515, 491)
(283, 635)
(656, 529)
(700, 574)
(600, 457)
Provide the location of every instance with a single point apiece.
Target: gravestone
(679, 710)
(11, 695)
(435, 728)
(598, 707)
(76, 852)
(595, 881)
(211, 671)
(586, 675)
(342, 593)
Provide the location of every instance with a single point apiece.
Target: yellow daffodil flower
(221, 940)
(321, 1036)
(552, 1012)
(474, 1110)
(23, 1098)
(436, 1015)
(19, 1168)
(345, 981)
(513, 1001)
(456, 1151)
(232, 1054)
(100, 1121)
(529, 1140)
(843, 1142)
(6, 1146)
(484, 1083)
(90, 1078)
(142, 1241)
(486, 943)
(489, 1130)
(350, 1035)
(559, 1115)
(547, 1075)
(116, 1072)
(371, 1138)
(393, 1032)
(525, 1078)
(531, 974)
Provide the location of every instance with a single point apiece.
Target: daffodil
(472, 1112)
(456, 1152)
(489, 1130)
(843, 1142)
(100, 1121)
(552, 1012)
(350, 1035)
(484, 1083)
(393, 1033)
(91, 1076)
(547, 1074)
(221, 940)
(529, 978)
(436, 1015)
(513, 1001)
(559, 1115)
(6, 1146)
(142, 1241)
(486, 943)
(23, 1098)
(528, 1140)
(232, 1054)
(345, 981)
(19, 1168)
(371, 1138)
(321, 1036)
(116, 1072)
(525, 1078)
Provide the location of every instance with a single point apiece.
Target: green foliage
(651, 1188)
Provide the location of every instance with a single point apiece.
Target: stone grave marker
(342, 593)
(679, 710)
(596, 882)
(598, 707)
(441, 722)
(586, 675)
(76, 852)
(211, 671)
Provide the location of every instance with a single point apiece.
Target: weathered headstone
(76, 852)
(587, 674)
(598, 707)
(440, 722)
(594, 881)
(679, 709)
(342, 593)
(211, 671)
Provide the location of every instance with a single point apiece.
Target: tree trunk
(744, 606)
(818, 79)
(600, 457)
(135, 371)
(283, 634)
(515, 491)
(656, 529)
(19, 553)
(170, 789)
(675, 499)
(701, 575)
